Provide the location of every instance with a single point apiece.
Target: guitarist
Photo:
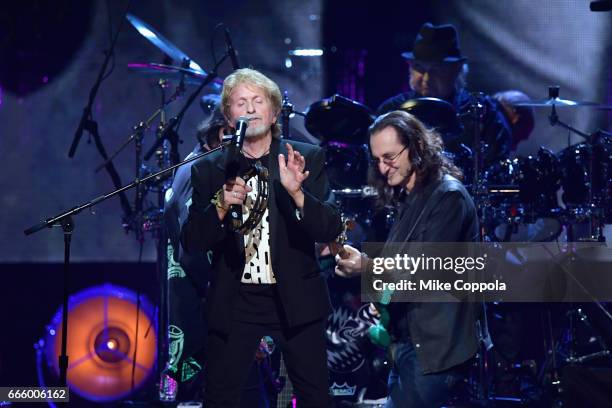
(432, 343)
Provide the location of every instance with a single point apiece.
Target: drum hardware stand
(595, 232)
(553, 93)
(479, 185)
(580, 314)
(133, 222)
(287, 111)
(479, 191)
(555, 350)
(477, 113)
(88, 124)
(570, 335)
(550, 363)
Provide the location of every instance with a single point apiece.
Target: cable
(114, 38)
(212, 42)
(135, 339)
(110, 38)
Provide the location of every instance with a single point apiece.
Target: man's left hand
(292, 174)
(351, 265)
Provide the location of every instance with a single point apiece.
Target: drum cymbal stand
(477, 112)
(287, 112)
(479, 185)
(593, 211)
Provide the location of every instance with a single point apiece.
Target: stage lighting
(112, 342)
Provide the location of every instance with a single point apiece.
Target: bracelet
(217, 200)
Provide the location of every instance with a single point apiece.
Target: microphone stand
(65, 219)
(59, 219)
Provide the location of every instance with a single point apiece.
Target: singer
(265, 282)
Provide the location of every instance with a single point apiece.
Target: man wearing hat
(438, 70)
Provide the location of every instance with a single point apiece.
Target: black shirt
(443, 334)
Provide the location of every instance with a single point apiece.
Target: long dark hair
(208, 131)
(425, 153)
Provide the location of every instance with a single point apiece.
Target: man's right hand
(352, 265)
(234, 192)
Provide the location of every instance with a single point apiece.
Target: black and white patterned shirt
(258, 267)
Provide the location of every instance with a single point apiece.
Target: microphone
(233, 149)
(230, 50)
(242, 123)
(232, 165)
(601, 5)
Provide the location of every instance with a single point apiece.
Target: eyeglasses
(387, 160)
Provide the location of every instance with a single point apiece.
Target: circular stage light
(112, 342)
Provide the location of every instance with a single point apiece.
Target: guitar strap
(427, 208)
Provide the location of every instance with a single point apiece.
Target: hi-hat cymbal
(558, 102)
(162, 42)
(191, 76)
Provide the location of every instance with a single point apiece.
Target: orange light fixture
(112, 342)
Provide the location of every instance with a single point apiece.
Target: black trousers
(303, 349)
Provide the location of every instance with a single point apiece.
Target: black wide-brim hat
(436, 44)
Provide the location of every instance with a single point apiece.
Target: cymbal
(435, 113)
(191, 76)
(340, 119)
(162, 42)
(558, 102)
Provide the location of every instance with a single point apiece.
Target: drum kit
(522, 199)
(544, 197)
(532, 198)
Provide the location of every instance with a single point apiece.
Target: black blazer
(302, 290)
(444, 334)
